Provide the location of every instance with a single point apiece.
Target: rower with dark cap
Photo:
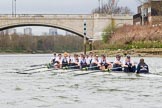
(90, 58)
(142, 67)
(70, 59)
(104, 63)
(117, 65)
(87, 60)
(74, 62)
(83, 62)
(129, 65)
(95, 63)
(53, 59)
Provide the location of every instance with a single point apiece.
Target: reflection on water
(67, 91)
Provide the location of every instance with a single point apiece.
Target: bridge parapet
(114, 16)
(65, 16)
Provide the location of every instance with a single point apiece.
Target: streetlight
(91, 41)
(12, 7)
(142, 13)
(99, 6)
(15, 8)
(142, 10)
(102, 6)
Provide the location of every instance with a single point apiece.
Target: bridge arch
(44, 25)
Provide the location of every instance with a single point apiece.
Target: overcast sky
(58, 6)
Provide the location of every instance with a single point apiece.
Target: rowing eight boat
(79, 72)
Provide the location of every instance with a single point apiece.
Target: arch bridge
(70, 22)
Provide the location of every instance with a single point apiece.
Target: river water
(47, 90)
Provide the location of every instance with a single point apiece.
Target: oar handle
(34, 68)
(69, 67)
(86, 68)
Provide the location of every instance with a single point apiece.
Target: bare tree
(143, 1)
(111, 7)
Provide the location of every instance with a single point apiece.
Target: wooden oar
(25, 71)
(19, 72)
(106, 70)
(34, 68)
(49, 69)
(89, 72)
(37, 65)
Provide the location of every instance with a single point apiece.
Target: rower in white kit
(58, 62)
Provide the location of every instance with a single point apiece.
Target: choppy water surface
(47, 90)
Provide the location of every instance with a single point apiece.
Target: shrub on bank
(129, 34)
(133, 37)
(134, 45)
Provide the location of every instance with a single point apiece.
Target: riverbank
(152, 52)
(24, 52)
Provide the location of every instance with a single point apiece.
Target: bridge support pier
(90, 45)
(85, 48)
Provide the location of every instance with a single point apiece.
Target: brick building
(151, 12)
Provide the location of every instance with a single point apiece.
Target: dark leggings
(117, 67)
(130, 69)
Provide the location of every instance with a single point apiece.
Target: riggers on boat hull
(50, 68)
(99, 72)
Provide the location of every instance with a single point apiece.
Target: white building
(44, 33)
(1, 33)
(11, 31)
(8, 32)
(70, 34)
(28, 31)
(53, 32)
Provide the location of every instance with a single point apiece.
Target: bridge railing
(62, 15)
(46, 16)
